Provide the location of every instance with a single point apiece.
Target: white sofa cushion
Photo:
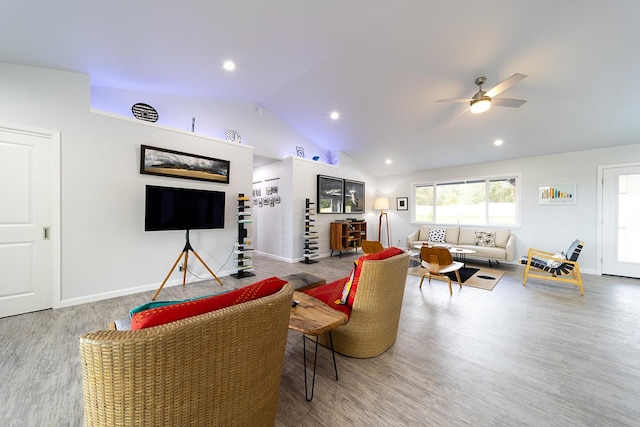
(467, 236)
(502, 237)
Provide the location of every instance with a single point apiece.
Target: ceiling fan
(483, 100)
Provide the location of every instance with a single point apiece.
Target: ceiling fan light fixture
(480, 105)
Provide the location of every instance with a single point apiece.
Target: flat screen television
(168, 208)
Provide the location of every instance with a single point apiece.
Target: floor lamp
(382, 203)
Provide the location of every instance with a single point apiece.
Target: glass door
(621, 221)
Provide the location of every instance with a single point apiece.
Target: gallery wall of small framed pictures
(265, 193)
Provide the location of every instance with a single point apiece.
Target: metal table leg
(315, 359)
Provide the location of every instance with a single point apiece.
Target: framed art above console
(338, 195)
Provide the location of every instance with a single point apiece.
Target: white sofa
(490, 244)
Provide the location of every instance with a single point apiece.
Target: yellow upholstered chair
(371, 246)
(559, 266)
(438, 262)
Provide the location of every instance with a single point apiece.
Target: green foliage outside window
(468, 202)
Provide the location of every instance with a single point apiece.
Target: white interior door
(26, 192)
(621, 221)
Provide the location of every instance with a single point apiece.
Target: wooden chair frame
(371, 246)
(439, 261)
(569, 268)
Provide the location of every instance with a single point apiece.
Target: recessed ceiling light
(497, 142)
(334, 115)
(229, 65)
(388, 161)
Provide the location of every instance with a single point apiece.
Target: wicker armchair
(375, 314)
(221, 368)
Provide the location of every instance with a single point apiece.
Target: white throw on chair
(438, 262)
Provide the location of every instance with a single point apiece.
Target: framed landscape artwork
(161, 161)
(329, 194)
(353, 196)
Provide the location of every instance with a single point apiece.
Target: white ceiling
(381, 63)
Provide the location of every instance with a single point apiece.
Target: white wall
(269, 136)
(542, 226)
(279, 229)
(105, 251)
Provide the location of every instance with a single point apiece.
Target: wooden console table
(347, 235)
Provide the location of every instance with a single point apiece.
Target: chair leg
(526, 272)
(449, 282)
(579, 279)
(421, 279)
(458, 277)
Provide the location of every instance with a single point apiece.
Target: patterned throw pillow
(437, 235)
(556, 264)
(347, 286)
(486, 238)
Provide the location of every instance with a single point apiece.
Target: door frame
(55, 180)
(600, 204)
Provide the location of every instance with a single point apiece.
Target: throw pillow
(347, 286)
(556, 264)
(486, 238)
(437, 235)
(171, 313)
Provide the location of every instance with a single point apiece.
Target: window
(475, 202)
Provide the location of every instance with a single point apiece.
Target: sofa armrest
(412, 237)
(510, 248)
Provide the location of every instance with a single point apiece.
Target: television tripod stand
(185, 253)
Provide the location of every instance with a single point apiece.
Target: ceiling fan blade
(507, 102)
(458, 114)
(455, 100)
(505, 84)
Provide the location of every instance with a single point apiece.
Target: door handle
(46, 233)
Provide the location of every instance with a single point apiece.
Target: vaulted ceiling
(382, 64)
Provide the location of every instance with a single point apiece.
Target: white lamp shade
(381, 203)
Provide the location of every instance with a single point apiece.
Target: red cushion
(330, 293)
(387, 253)
(171, 313)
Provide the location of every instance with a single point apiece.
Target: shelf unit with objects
(310, 236)
(347, 235)
(243, 249)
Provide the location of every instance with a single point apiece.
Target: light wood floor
(540, 355)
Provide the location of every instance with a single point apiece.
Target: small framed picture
(557, 194)
(300, 152)
(276, 199)
(402, 203)
(271, 201)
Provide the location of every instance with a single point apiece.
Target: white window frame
(486, 179)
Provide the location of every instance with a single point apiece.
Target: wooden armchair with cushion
(218, 368)
(559, 266)
(372, 298)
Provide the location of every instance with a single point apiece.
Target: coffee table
(313, 317)
(460, 254)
